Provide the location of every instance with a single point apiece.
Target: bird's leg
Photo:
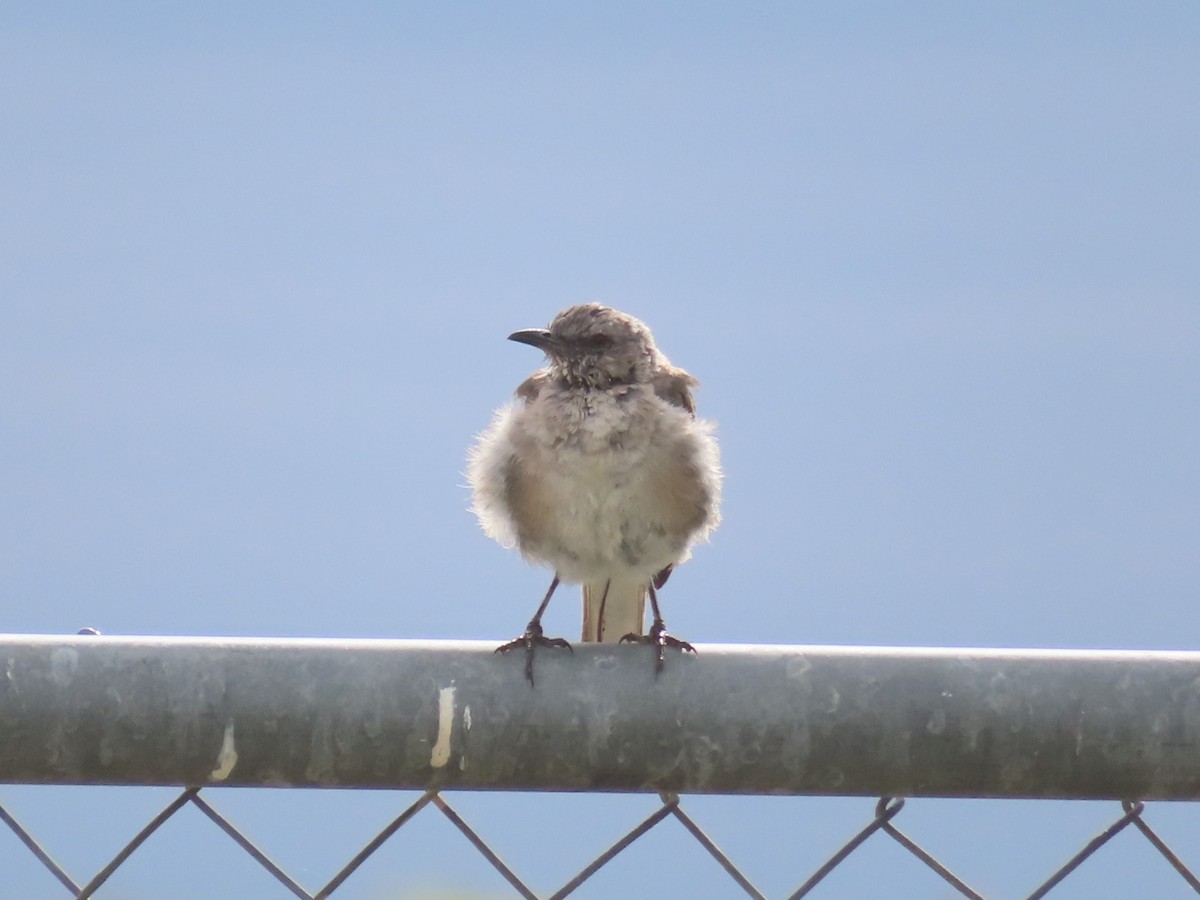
(533, 636)
(658, 635)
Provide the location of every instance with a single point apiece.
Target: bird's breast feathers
(608, 480)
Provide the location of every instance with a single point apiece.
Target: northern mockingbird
(600, 470)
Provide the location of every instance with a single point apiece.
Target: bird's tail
(613, 609)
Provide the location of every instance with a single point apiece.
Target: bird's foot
(659, 637)
(529, 641)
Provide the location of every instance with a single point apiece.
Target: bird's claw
(529, 641)
(659, 637)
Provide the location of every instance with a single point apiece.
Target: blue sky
(936, 267)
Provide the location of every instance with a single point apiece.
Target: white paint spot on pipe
(227, 758)
(466, 718)
(441, 748)
(63, 663)
(797, 667)
(835, 700)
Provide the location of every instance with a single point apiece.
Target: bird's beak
(536, 337)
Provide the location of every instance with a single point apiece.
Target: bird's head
(595, 346)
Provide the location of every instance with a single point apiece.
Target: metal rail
(731, 719)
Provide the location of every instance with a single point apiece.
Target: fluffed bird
(600, 470)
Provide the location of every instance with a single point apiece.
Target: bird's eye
(597, 341)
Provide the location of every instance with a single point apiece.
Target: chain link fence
(444, 718)
(737, 881)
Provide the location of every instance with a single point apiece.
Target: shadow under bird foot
(530, 641)
(659, 637)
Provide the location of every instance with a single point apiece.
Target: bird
(600, 470)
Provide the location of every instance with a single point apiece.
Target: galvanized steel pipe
(731, 719)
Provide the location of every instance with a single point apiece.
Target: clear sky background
(937, 266)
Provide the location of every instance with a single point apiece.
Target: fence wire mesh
(882, 825)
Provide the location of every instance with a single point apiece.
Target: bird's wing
(675, 386)
(528, 389)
